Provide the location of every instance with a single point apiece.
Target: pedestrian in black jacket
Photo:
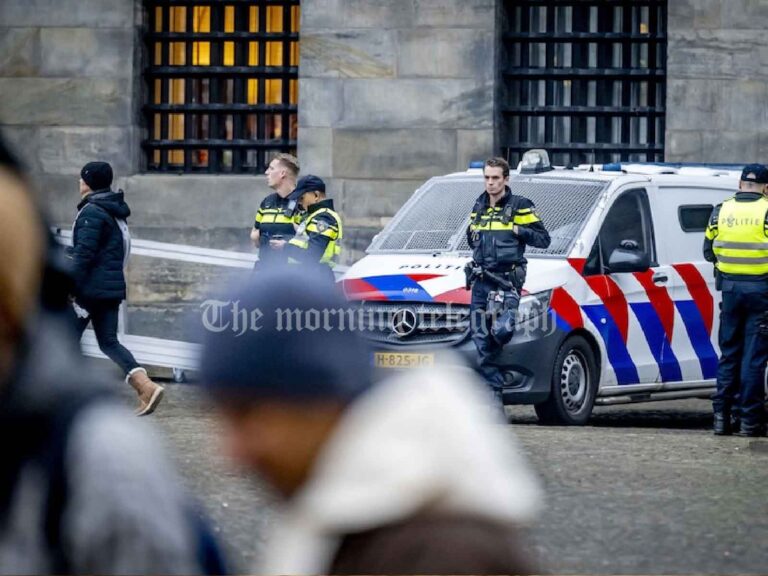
(101, 244)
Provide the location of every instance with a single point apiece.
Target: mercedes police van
(620, 308)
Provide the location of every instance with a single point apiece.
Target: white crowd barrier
(177, 355)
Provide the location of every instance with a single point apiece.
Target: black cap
(308, 183)
(756, 173)
(284, 334)
(97, 175)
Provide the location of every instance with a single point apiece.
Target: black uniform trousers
(743, 351)
(488, 348)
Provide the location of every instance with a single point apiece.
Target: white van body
(585, 334)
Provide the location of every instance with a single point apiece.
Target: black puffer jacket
(97, 247)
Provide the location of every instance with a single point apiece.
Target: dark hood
(112, 202)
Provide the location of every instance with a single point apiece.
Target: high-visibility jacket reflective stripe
(491, 219)
(333, 233)
(740, 240)
(273, 216)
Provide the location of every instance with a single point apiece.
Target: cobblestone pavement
(643, 489)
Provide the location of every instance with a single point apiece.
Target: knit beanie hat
(97, 175)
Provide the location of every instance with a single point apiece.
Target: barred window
(221, 84)
(585, 79)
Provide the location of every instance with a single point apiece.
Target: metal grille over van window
(435, 219)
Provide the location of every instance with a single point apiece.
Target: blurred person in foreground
(101, 245)
(84, 487)
(405, 475)
(317, 244)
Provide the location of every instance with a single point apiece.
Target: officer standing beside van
(737, 242)
(317, 242)
(501, 226)
(274, 222)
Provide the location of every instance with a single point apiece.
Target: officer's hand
(277, 244)
(515, 229)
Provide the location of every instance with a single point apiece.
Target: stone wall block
(66, 102)
(744, 106)
(67, 150)
(392, 14)
(744, 14)
(417, 104)
(19, 51)
(695, 104)
(446, 53)
(683, 14)
(449, 13)
(317, 14)
(682, 146)
(23, 143)
(86, 52)
(315, 151)
(473, 145)
(205, 201)
(348, 54)
(371, 202)
(59, 195)
(68, 13)
(721, 54)
(762, 147)
(321, 101)
(396, 154)
(729, 146)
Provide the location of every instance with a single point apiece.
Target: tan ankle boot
(149, 393)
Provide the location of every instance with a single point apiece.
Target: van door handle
(660, 278)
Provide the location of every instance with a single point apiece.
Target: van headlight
(533, 305)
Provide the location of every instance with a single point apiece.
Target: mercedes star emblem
(404, 322)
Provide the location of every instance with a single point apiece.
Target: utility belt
(511, 279)
(503, 302)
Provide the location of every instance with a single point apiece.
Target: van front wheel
(574, 385)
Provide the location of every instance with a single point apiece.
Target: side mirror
(628, 258)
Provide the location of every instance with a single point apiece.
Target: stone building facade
(391, 92)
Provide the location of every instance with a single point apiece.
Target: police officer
(274, 222)
(737, 242)
(500, 227)
(317, 242)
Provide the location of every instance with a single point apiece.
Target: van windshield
(436, 217)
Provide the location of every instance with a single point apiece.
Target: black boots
(722, 424)
(750, 430)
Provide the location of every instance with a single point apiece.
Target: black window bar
(221, 84)
(585, 79)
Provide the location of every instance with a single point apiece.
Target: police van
(620, 308)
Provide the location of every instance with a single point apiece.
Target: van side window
(629, 219)
(694, 217)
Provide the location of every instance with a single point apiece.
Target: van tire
(574, 385)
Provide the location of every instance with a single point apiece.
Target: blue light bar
(476, 164)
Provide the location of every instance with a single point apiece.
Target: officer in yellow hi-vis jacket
(274, 222)
(737, 242)
(500, 227)
(317, 242)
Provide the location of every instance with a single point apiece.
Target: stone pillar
(392, 92)
(717, 87)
